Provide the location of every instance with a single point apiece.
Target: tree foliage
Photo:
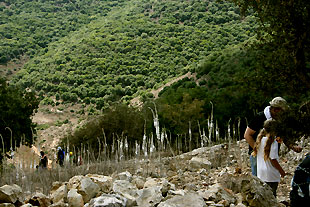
(284, 36)
(27, 27)
(134, 48)
(16, 108)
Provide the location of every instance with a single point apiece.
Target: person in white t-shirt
(266, 150)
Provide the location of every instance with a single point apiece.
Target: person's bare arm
(276, 164)
(293, 146)
(248, 135)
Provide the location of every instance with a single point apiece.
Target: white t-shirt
(265, 170)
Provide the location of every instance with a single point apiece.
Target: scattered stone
(75, 199)
(10, 193)
(106, 200)
(39, 199)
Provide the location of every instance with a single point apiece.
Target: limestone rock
(139, 182)
(107, 200)
(88, 189)
(254, 192)
(197, 163)
(124, 176)
(39, 199)
(75, 199)
(217, 193)
(60, 203)
(127, 190)
(104, 182)
(27, 205)
(257, 193)
(149, 197)
(188, 200)
(10, 193)
(59, 194)
(75, 182)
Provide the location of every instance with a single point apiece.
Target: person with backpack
(60, 156)
(300, 193)
(275, 110)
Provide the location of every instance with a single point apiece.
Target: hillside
(133, 48)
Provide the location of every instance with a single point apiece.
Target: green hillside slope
(133, 48)
(27, 27)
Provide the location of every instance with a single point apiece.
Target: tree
(16, 109)
(284, 34)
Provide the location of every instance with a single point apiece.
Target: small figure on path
(60, 156)
(43, 160)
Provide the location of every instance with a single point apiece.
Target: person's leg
(274, 187)
(253, 162)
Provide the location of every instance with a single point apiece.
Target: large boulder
(39, 199)
(217, 193)
(127, 190)
(104, 182)
(197, 163)
(75, 199)
(149, 197)
(107, 200)
(254, 191)
(10, 194)
(188, 200)
(60, 194)
(124, 176)
(75, 182)
(88, 189)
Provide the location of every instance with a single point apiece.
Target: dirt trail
(136, 101)
(52, 118)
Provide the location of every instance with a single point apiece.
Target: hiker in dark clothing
(277, 107)
(43, 161)
(60, 156)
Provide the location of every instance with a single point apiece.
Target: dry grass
(23, 173)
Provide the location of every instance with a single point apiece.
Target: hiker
(60, 156)
(71, 158)
(300, 193)
(277, 106)
(43, 161)
(267, 153)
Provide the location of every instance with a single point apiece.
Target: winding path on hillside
(136, 101)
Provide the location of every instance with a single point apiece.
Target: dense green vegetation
(284, 39)
(16, 109)
(132, 49)
(27, 27)
(100, 53)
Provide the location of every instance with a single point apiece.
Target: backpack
(61, 154)
(301, 179)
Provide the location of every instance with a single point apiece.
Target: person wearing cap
(277, 106)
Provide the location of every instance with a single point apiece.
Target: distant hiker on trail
(266, 150)
(72, 158)
(300, 193)
(278, 105)
(43, 160)
(60, 156)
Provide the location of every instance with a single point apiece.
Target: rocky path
(209, 176)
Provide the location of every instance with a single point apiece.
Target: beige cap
(279, 102)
